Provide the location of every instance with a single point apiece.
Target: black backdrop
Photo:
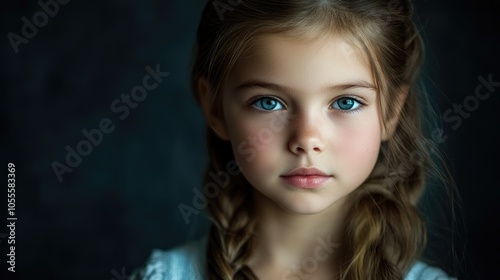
(102, 219)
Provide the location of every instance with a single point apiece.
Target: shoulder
(423, 271)
(183, 262)
(188, 262)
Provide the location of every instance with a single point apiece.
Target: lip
(306, 178)
(302, 171)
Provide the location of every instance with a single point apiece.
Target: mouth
(306, 178)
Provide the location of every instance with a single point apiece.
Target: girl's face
(291, 103)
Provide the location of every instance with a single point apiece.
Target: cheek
(359, 148)
(255, 141)
(361, 142)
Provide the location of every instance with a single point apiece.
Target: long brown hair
(385, 233)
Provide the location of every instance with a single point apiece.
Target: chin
(305, 206)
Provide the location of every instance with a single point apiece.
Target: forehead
(303, 64)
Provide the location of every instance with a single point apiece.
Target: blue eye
(268, 104)
(346, 104)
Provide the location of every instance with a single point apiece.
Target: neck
(288, 241)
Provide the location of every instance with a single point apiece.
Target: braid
(380, 223)
(230, 243)
(384, 233)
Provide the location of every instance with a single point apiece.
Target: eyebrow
(339, 87)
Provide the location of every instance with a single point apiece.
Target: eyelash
(259, 98)
(362, 104)
(254, 100)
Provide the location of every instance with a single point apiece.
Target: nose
(307, 135)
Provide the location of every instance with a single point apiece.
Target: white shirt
(188, 263)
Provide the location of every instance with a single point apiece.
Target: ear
(214, 118)
(392, 122)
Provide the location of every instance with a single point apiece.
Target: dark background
(122, 200)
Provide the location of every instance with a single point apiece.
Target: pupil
(269, 104)
(346, 104)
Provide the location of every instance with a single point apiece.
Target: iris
(268, 104)
(345, 103)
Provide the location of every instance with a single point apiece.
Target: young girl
(314, 130)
